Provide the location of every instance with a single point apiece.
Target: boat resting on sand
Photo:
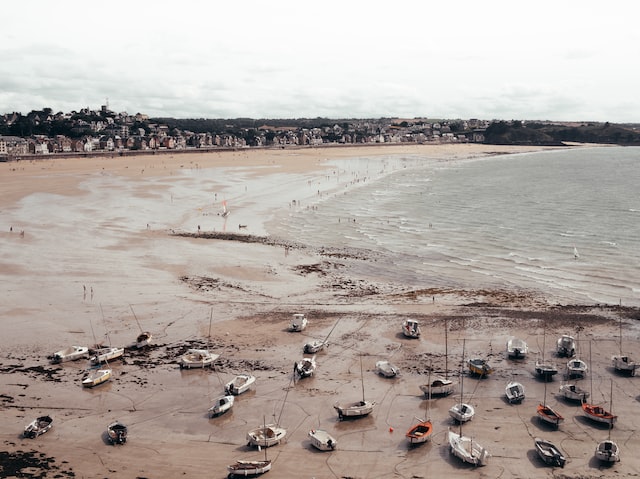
(599, 414)
(103, 355)
(517, 348)
(566, 346)
(240, 384)
(549, 453)
(96, 377)
(607, 451)
(514, 392)
(545, 370)
(322, 440)
(462, 412)
(143, 339)
(306, 367)
(38, 426)
(314, 346)
(624, 364)
(467, 450)
(420, 432)
(354, 410)
(248, 468)
(117, 433)
(548, 415)
(197, 358)
(266, 436)
(71, 353)
(479, 367)
(386, 369)
(576, 368)
(411, 328)
(438, 387)
(573, 392)
(298, 322)
(221, 405)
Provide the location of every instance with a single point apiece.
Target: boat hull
(298, 323)
(314, 346)
(545, 370)
(221, 405)
(462, 412)
(117, 433)
(411, 329)
(517, 349)
(420, 432)
(38, 427)
(70, 354)
(576, 368)
(514, 392)
(599, 414)
(607, 451)
(354, 410)
(566, 346)
(240, 384)
(624, 365)
(197, 358)
(248, 468)
(549, 453)
(96, 378)
(438, 387)
(266, 436)
(573, 392)
(305, 368)
(467, 450)
(479, 367)
(386, 369)
(548, 415)
(104, 355)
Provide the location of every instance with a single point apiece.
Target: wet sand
(174, 281)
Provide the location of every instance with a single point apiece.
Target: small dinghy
(322, 440)
(38, 426)
(96, 377)
(117, 433)
(298, 323)
(514, 392)
(71, 353)
(548, 415)
(248, 468)
(387, 369)
(411, 328)
(306, 367)
(221, 405)
(576, 368)
(420, 432)
(549, 453)
(607, 451)
(240, 384)
(266, 436)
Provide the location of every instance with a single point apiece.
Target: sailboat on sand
(355, 409)
(421, 431)
(547, 414)
(623, 363)
(608, 450)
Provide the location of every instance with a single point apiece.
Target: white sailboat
(462, 412)
(355, 409)
(623, 363)
(608, 450)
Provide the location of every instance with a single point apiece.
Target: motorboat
(438, 387)
(411, 328)
(624, 364)
(599, 414)
(479, 367)
(305, 367)
(298, 322)
(197, 358)
(38, 426)
(517, 348)
(95, 377)
(467, 450)
(462, 412)
(549, 453)
(248, 468)
(387, 369)
(607, 451)
(240, 384)
(576, 368)
(514, 392)
(573, 392)
(314, 346)
(266, 436)
(322, 440)
(221, 405)
(103, 355)
(549, 415)
(566, 346)
(117, 433)
(71, 353)
(354, 409)
(545, 370)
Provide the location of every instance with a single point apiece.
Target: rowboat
(607, 451)
(438, 387)
(576, 368)
(411, 328)
(479, 367)
(321, 439)
(386, 369)
(103, 355)
(240, 384)
(467, 450)
(38, 427)
(117, 433)
(248, 468)
(549, 453)
(517, 348)
(221, 405)
(599, 414)
(266, 436)
(96, 377)
(197, 358)
(420, 432)
(514, 392)
(548, 415)
(566, 346)
(71, 353)
(298, 322)
(573, 392)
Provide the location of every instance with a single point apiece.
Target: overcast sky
(543, 60)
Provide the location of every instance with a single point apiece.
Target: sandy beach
(98, 249)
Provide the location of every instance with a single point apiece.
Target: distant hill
(518, 133)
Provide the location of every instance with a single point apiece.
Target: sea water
(561, 223)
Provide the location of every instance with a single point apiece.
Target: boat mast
(462, 381)
(362, 379)
(446, 349)
(136, 318)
